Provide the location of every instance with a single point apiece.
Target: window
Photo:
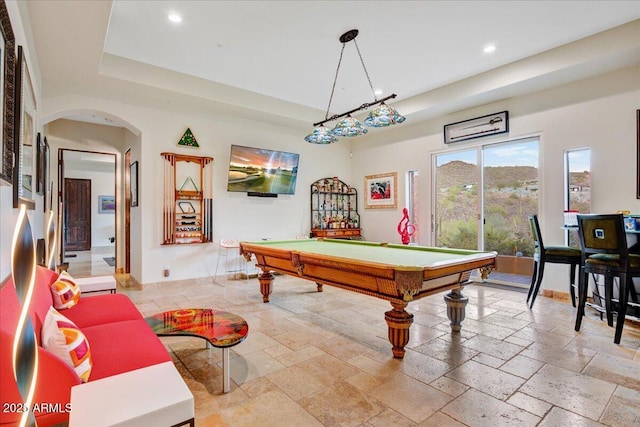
(577, 185)
(412, 202)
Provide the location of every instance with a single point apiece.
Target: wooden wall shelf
(188, 201)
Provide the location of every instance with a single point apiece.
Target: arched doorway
(96, 133)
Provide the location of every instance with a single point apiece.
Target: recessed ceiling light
(175, 18)
(489, 48)
(377, 92)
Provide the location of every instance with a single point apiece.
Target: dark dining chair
(605, 252)
(550, 254)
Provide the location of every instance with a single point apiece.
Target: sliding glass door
(510, 189)
(456, 217)
(482, 200)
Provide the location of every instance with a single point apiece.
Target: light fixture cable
(335, 80)
(366, 73)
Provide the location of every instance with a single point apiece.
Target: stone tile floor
(314, 359)
(90, 263)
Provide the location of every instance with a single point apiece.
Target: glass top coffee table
(218, 328)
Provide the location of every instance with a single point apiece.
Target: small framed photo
(381, 191)
(106, 204)
(491, 124)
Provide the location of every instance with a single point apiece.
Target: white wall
(598, 113)
(235, 214)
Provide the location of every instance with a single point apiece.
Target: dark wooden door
(77, 214)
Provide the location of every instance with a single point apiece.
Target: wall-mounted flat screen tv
(262, 171)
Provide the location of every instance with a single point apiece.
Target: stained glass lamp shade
(349, 127)
(383, 116)
(321, 135)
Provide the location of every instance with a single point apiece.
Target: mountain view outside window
(456, 200)
(509, 194)
(578, 188)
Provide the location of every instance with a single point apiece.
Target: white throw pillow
(62, 337)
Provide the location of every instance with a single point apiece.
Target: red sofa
(119, 338)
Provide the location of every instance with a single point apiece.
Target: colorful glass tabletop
(220, 328)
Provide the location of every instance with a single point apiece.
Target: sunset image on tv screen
(262, 171)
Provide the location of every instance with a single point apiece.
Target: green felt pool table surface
(380, 253)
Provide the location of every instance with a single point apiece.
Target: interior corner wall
(599, 113)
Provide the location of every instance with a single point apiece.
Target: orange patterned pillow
(62, 337)
(65, 291)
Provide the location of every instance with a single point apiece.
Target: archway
(93, 131)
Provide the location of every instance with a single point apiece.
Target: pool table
(396, 273)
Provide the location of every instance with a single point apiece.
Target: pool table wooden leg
(456, 303)
(399, 322)
(266, 280)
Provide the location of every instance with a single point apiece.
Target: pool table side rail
(380, 280)
(283, 248)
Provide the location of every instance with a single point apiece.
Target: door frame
(61, 198)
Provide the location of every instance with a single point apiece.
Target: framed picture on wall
(380, 191)
(491, 124)
(106, 204)
(24, 175)
(40, 166)
(7, 94)
(47, 191)
(133, 173)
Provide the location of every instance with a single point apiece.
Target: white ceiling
(290, 50)
(280, 57)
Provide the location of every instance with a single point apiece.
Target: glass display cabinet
(334, 209)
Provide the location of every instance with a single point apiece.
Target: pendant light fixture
(382, 116)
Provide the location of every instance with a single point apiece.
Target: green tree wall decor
(188, 140)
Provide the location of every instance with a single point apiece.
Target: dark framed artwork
(133, 173)
(40, 178)
(637, 154)
(24, 136)
(491, 124)
(7, 94)
(46, 176)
